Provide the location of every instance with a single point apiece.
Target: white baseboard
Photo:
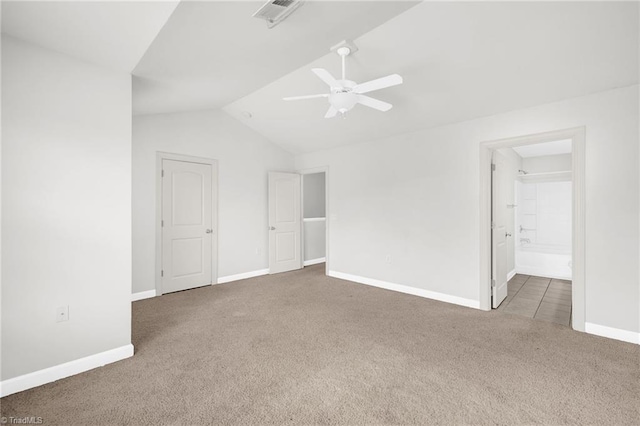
(511, 274)
(242, 276)
(143, 295)
(408, 290)
(51, 374)
(540, 273)
(612, 333)
(315, 261)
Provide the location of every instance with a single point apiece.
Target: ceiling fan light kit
(345, 94)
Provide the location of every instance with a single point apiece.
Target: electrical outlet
(387, 259)
(62, 313)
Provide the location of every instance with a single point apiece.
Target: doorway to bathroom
(532, 200)
(315, 226)
(538, 208)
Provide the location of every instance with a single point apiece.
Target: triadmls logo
(27, 420)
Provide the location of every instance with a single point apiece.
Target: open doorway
(298, 223)
(532, 205)
(532, 200)
(314, 219)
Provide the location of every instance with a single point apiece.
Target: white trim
(243, 276)
(57, 372)
(143, 295)
(541, 272)
(160, 156)
(314, 219)
(315, 261)
(406, 289)
(577, 136)
(511, 274)
(612, 333)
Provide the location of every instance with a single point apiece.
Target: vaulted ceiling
(112, 34)
(459, 60)
(211, 53)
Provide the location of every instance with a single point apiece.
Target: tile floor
(543, 299)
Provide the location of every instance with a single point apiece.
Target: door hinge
(162, 223)
(162, 173)
(493, 283)
(162, 273)
(493, 167)
(493, 225)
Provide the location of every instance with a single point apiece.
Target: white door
(499, 271)
(284, 222)
(187, 230)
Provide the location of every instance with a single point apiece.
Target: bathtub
(551, 261)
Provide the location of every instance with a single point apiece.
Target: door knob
(507, 234)
(271, 228)
(209, 231)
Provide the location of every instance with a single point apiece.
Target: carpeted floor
(301, 348)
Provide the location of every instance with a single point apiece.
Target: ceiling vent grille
(275, 11)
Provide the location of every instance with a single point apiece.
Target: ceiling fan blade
(331, 113)
(377, 84)
(326, 76)
(374, 103)
(297, 98)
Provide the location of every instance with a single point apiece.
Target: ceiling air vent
(275, 11)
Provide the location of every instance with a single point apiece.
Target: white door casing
(498, 230)
(285, 222)
(187, 225)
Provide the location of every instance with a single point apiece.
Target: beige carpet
(302, 348)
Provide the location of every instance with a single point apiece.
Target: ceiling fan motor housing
(342, 98)
(343, 101)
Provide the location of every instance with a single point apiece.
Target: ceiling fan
(345, 94)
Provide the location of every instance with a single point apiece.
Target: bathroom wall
(544, 201)
(547, 163)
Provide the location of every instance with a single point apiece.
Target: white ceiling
(212, 53)
(546, 148)
(459, 61)
(108, 33)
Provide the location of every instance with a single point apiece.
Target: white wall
(66, 215)
(313, 185)
(314, 240)
(415, 198)
(244, 159)
(547, 163)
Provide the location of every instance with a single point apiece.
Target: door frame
(578, 174)
(325, 170)
(160, 156)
